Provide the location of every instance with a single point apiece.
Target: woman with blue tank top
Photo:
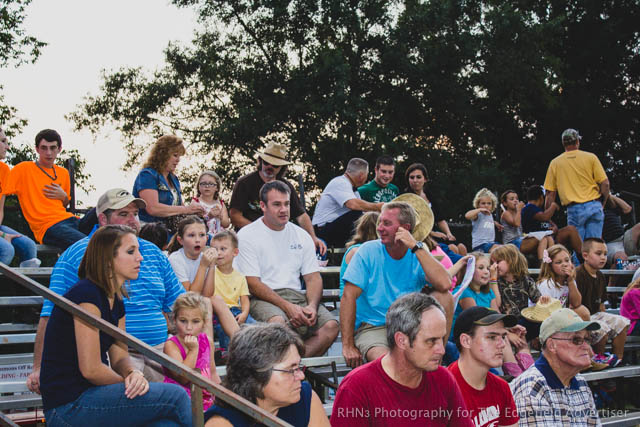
(79, 385)
(264, 368)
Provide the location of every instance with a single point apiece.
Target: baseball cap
(117, 198)
(570, 136)
(565, 320)
(480, 316)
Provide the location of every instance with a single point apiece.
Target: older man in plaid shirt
(551, 392)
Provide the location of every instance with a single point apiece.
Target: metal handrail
(196, 379)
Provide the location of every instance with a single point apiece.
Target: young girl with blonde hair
(192, 343)
(483, 233)
(558, 280)
(515, 290)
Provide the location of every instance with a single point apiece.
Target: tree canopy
(479, 91)
(16, 48)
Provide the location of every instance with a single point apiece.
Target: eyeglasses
(299, 368)
(208, 184)
(576, 340)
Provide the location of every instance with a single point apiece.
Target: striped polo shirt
(151, 294)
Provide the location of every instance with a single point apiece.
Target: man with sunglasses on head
(552, 392)
(245, 199)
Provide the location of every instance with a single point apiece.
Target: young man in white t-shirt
(274, 253)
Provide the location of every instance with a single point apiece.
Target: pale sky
(84, 37)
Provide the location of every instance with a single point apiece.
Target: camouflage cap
(570, 136)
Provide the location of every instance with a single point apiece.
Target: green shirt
(372, 192)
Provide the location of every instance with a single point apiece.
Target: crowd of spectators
(410, 294)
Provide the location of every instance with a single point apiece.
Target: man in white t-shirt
(340, 204)
(274, 253)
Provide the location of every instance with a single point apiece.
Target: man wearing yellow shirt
(580, 180)
(43, 190)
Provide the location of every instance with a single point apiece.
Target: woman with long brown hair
(79, 384)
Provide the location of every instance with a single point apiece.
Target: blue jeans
(223, 338)
(485, 247)
(24, 246)
(454, 257)
(517, 242)
(588, 218)
(63, 234)
(162, 405)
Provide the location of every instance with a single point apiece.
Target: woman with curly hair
(158, 185)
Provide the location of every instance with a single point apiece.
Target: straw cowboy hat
(424, 218)
(539, 312)
(274, 153)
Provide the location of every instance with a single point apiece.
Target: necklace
(54, 177)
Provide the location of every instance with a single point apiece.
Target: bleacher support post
(301, 186)
(196, 404)
(70, 164)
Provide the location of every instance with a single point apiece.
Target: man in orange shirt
(43, 190)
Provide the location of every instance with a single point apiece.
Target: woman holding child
(79, 385)
(159, 187)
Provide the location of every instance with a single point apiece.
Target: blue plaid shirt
(542, 399)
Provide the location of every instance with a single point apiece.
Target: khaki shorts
(262, 311)
(610, 326)
(151, 369)
(368, 336)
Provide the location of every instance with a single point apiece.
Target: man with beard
(244, 207)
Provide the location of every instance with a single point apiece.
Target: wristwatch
(419, 245)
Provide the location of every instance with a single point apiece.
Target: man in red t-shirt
(480, 335)
(407, 386)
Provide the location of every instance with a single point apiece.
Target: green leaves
(478, 91)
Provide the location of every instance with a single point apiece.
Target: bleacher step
(627, 420)
(20, 401)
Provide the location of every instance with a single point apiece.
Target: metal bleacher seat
(48, 249)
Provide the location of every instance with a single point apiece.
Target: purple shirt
(630, 307)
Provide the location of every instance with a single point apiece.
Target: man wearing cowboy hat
(382, 271)
(580, 180)
(245, 199)
(340, 204)
(552, 392)
(481, 336)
